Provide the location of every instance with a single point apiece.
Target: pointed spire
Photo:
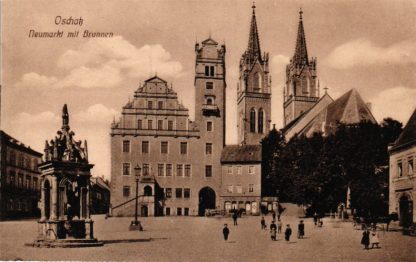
(253, 49)
(65, 118)
(301, 53)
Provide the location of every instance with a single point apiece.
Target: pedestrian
(235, 217)
(263, 223)
(374, 240)
(273, 229)
(279, 226)
(315, 219)
(301, 229)
(288, 232)
(225, 232)
(365, 240)
(274, 216)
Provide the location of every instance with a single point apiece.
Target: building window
(184, 148)
(187, 170)
(186, 192)
(145, 147)
(179, 211)
(229, 189)
(239, 189)
(230, 170)
(167, 211)
(252, 120)
(186, 211)
(209, 85)
(160, 105)
(208, 148)
(251, 169)
(139, 124)
(163, 147)
(159, 124)
(179, 170)
(146, 169)
(170, 125)
(410, 166)
(208, 171)
(149, 104)
(126, 146)
(212, 70)
(12, 179)
(27, 184)
(149, 124)
(206, 70)
(400, 169)
(209, 126)
(126, 191)
(12, 158)
(20, 180)
(168, 169)
(261, 121)
(168, 192)
(126, 169)
(210, 101)
(238, 170)
(35, 183)
(250, 187)
(160, 169)
(21, 161)
(178, 192)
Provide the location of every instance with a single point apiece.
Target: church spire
(301, 53)
(253, 49)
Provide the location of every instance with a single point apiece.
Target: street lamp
(135, 225)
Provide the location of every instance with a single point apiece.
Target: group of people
(370, 238)
(277, 229)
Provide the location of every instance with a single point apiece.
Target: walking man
(279, 226)
(301, 229)
(365, 240)
(235, 217)
(263, 223)
(273, 229)
(225, 232)
(288, 232)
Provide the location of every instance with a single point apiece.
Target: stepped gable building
(302, 89)
(253, 90)
(305, 112)
(402, 183)
(179, 160)
(20, 179)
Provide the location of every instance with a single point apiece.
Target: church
(183, 167)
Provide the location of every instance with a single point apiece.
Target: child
(374, 240)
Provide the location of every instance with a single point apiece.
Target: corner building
(156, 140)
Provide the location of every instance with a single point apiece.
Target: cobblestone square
(200, 239)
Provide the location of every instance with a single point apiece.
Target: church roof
(155, 79)
(253, 49)
(301, 52)
(241, 154)
(408, 135)
(209, 41)
(350, 108)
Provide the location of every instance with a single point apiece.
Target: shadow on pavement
(116, 241)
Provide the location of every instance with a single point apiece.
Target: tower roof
(253, 49)
(301, 52)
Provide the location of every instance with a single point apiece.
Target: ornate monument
(65, 196)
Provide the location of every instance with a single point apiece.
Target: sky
(362, 44)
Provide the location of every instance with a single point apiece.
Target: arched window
(209, 101)
(147, 191)
(257, 82)
(252, 120)
(261, 121)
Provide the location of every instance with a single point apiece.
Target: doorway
(206, 200)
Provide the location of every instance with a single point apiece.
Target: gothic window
(304, 85)
(256, 85)
(261, 121)
(252, 120)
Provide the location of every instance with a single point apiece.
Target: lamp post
(135, 225)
